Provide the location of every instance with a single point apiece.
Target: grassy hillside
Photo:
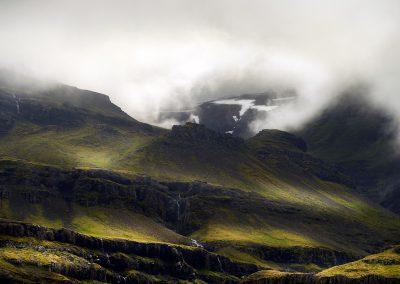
(65, 126)
(89, 145)
(284, 175)
(351, 129)
(264, 200)
(32, 254)
(362, 139)
(386, 264)
(382, 267)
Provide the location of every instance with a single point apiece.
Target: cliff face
(115, 258)
(321, 256)
(183, 208)
(26, 248)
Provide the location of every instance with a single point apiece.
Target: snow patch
(284, 99)
(194, 118)
(264, 108)
(245, 106)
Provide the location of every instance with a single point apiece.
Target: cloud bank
(159, 55)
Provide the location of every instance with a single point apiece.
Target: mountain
(233, 114)
(362, 140)
(88, 193)
(63, 125)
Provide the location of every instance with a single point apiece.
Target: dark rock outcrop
(275, 136)
(321, 256)
(288, 150)
(192, 134)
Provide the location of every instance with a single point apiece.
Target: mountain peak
(281, 137)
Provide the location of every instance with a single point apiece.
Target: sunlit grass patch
(385, 264)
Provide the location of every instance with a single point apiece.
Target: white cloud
(152, 55)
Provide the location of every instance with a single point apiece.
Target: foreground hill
(71, 159)
(32, 254)
(378, 268)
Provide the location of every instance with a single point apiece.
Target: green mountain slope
(87, 166)
(292, 183)
(382, 267)
(362, 139)
(32, 254)
(62, 125)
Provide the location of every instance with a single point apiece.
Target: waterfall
(121, 279)
(196, 243)
(220, 264)
(178, 207)
(16, 99)
(102, 247)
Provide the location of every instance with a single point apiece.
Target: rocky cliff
(116, 256)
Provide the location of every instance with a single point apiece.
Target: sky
(166, 55)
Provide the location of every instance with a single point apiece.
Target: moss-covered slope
(378, 268)
(31, 254)
(363, 140)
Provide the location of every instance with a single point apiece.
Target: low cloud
(159, 55)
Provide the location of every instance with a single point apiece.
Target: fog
(166, 55)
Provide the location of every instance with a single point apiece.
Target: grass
(87, 146)
(268, 274)
(386, 264)
(99, 222)
(241, 256)
(247, 233)
(30, 265)
(122, 224)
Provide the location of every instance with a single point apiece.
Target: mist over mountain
(200, 141)
(174, 55)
